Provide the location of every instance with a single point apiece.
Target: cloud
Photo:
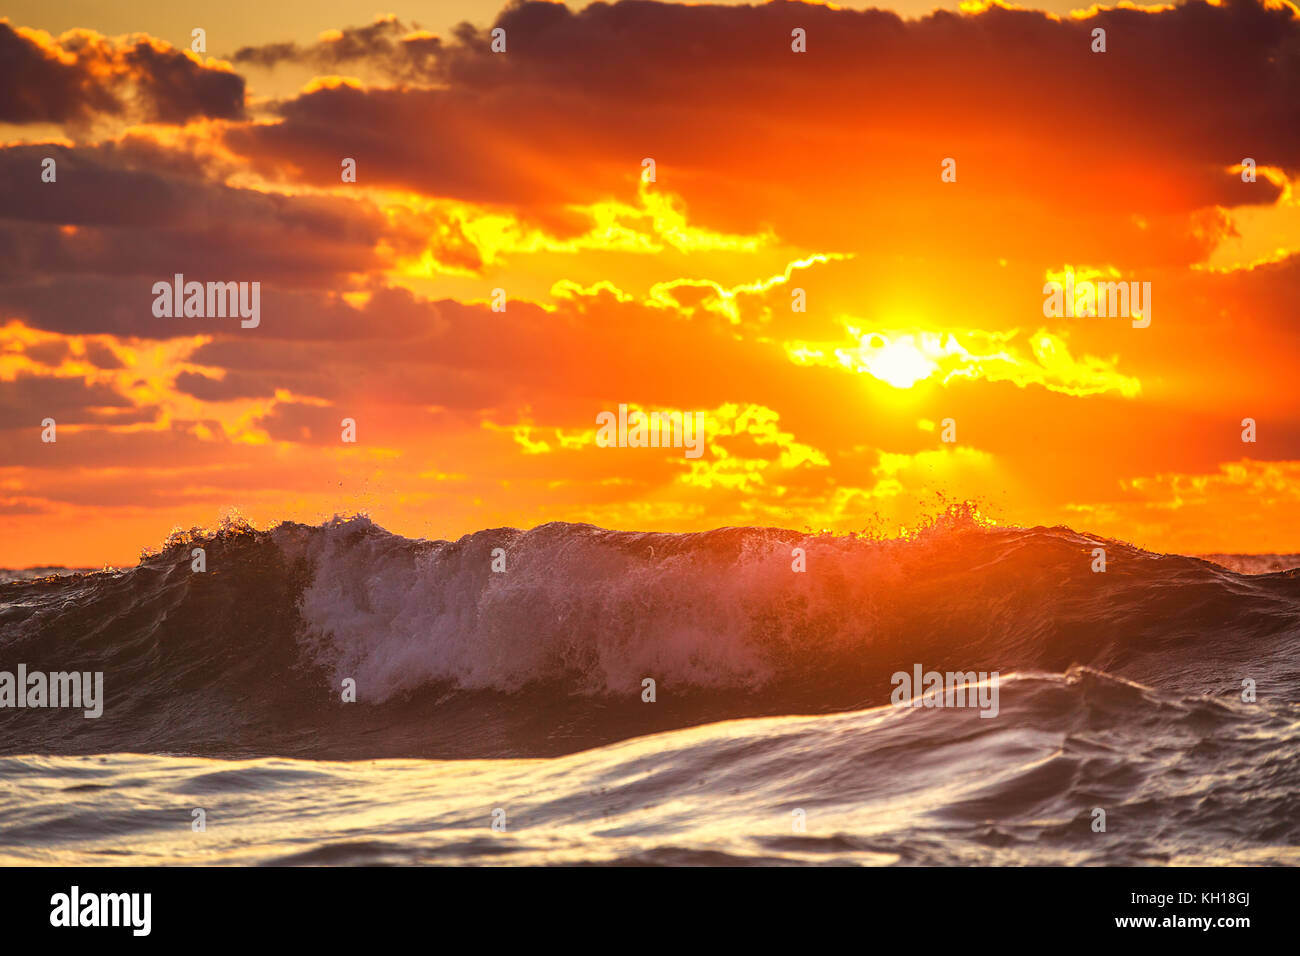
(27, 399)
(903, 358)
(81, 254)
(1040, 126)
(82, 76)
(227, 388)
(395, 48)
(303, 422)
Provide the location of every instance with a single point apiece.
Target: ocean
(504, 716)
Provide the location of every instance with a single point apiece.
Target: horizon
(238, 522)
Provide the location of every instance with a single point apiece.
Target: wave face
(454, 659)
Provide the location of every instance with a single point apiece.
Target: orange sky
(774, 171)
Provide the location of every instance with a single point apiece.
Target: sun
(900, 363)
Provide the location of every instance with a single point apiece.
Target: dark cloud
(399, 350)
(136, 79)
(233, 386)
(101, 356)
(26, 399)
(49, 353)
(303, 423)
(109, 216)
(89, 305)
(96, 448)
(1129, 144)
(457, 144)
(388, 45)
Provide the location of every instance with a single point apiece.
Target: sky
(840, 261)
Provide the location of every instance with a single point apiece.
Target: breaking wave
(452, 658)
